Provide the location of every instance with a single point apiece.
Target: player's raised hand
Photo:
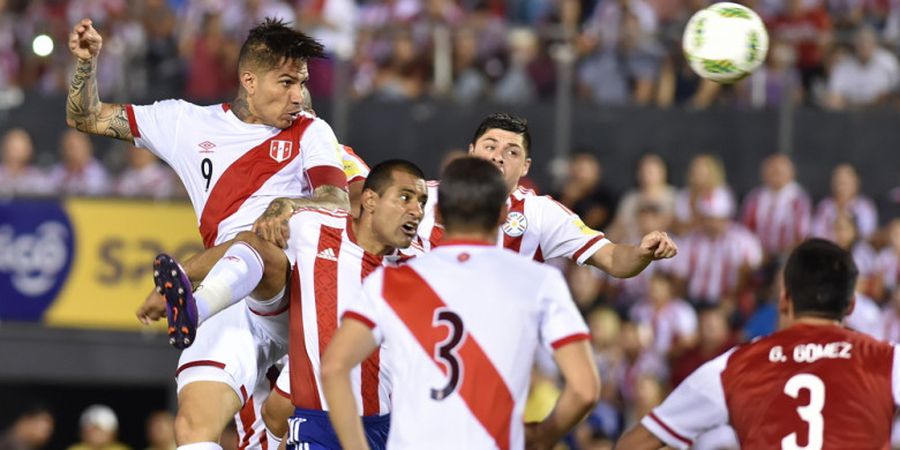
(273, 224)
(658, 245)
(84, 40)
(153, 309)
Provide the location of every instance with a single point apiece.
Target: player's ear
(526, 166)
(471, 148)
(248, 81)
(785, 308)
(367, 200)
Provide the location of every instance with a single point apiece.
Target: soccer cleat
(181, 310)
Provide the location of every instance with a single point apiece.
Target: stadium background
(601, 82)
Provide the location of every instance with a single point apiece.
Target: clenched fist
(84, 40)
(658, 245)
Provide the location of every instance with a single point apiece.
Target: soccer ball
(725, 42)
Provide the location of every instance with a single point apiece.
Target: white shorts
(235, 347)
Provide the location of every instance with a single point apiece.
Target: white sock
(231, 279)
(200, 446)
(274, 441)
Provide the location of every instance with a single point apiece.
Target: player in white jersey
(537, 226)
(233, 159)
(459, 328)
(333, 252)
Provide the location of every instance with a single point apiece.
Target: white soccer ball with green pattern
(725, 42)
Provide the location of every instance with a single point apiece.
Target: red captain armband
(326, 176)
(132, 122)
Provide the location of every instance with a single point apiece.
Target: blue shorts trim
(310, 429)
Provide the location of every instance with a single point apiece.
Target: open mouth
(294, 115)
(410, 228)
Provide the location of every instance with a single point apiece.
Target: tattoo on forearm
(277, 208)
(83, 105)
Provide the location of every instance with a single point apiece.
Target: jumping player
(234, 159)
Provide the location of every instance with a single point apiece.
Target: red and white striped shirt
(780, 219)
(328, 273)
(231, 169)
(460, 327)
(861, 208)
(537, 227)
(712, 265)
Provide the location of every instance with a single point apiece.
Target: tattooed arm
(273, 224)
(84, 111)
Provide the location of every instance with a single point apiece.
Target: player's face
(507, 151)
(278, 94)
(397, 212)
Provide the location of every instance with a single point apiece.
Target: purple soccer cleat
(181, 310)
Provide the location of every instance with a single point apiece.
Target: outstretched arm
(625, 261)
(84, 111)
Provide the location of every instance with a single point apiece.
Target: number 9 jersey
(231, 169)
(805, 387)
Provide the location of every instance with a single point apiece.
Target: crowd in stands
(827, 53)
(722, 288)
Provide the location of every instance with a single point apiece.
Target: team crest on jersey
(280, 150)
(515, 225)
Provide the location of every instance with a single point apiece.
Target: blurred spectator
(890, 319)
(779, 211)
(845, 199)
(605, 26)
(145, 176)
(405, 74)
(808, 28)
(626, 72)
(586, 283)
(586, 194)
(672, 319)
(517, 85)
(888, 263)
(469, 81)
(716, 259)
(212, 62)
(865, 78)
(637, 361)
(165, 67)
(714, 339)
(78, 173)
(161, 431)
(31, 430)
(846, 235)
(17, 175)
(775, 82)
(679, 85)
(653, 189)
(99, 426)
(705, 177)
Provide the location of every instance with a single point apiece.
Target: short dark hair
(820, 279)
(471, 195)
(382, 175)
(507, 122)
(272, 42)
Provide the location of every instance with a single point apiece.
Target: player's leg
(278, 407)
(204, 409)
(249, 265)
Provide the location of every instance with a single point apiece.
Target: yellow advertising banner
(115, 242)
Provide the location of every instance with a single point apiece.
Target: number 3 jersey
(806, 387)
(459, 328)
(231, 169)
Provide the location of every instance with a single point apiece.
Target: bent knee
(275, 413)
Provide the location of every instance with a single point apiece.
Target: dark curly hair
(272, 42)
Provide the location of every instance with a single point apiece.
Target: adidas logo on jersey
(328, 254)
